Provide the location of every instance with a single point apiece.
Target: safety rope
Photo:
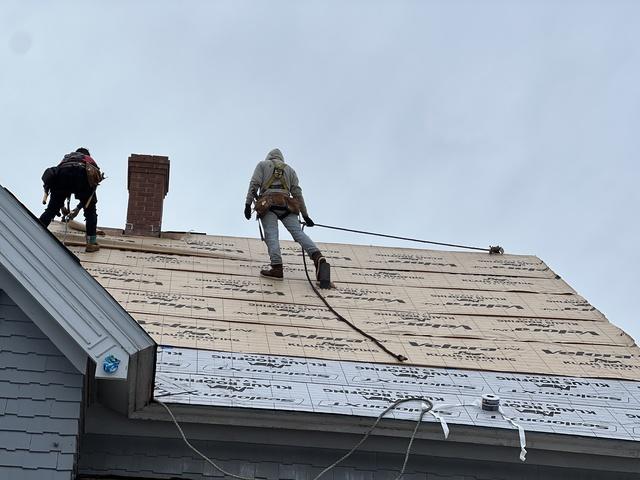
(492, 249)
(399, 357)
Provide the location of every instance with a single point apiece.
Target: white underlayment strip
(542, 403)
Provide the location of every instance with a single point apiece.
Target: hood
(275, 154)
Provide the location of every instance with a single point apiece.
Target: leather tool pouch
(94, 175)
(280, 202)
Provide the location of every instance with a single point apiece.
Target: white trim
(81, 310)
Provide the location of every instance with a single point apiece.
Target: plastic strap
(478, 403)
(523, 440)
(443, 423)
(448, 406)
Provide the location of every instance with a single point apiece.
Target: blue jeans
(270, 225)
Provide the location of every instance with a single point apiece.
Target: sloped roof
(507, 313)
(469, 324)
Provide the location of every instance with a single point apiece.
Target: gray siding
(40, 402)
(138, 457)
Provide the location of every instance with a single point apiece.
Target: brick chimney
(148, 184)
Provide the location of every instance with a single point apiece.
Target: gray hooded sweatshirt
(262, 174)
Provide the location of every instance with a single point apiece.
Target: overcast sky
(475, 122)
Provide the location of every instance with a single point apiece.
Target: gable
(73, 310)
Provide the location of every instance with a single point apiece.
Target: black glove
(247, 211)
(308, 221)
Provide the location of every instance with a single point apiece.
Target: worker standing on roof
(77, 174)
(278, 196)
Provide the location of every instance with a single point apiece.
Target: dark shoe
(317, 260)
(92, 247)
(274, 272)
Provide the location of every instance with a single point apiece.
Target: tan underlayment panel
(389, 322)
(460, 281)
(448, 309)
(355, 256)
(532, 357)
(359, 296)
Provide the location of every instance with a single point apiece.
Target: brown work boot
(274, 272)
(92, 247)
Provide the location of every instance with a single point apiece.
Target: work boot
(317, 260)
(274, 272)
(92, 247)
(92, 244)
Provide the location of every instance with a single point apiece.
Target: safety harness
(277, 176)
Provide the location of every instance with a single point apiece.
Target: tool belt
(279, 203)
(72, 164)
(94, 175)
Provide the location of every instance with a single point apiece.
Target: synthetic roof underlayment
(469, 323)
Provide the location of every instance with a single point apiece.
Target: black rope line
(400, 358)
(497, 249)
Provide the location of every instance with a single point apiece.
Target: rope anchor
(493, 250)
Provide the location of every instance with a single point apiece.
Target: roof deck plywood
(477, 311)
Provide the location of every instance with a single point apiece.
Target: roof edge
(78, 308)
(201, 425)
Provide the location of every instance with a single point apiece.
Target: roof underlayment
(469, 323)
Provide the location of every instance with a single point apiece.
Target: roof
(48, 283)
(469, 323)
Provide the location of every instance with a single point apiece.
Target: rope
(423, 412)
(400, 358)
(426, 407)
(66, 223)
(492, 249)
(194, 449)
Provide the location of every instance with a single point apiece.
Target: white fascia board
(54, 278)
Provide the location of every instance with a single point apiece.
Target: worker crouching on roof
(76, 174)
(278, 196)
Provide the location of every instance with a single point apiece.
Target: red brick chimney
(148, 184)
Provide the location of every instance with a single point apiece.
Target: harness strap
(278, 174)
(72, 163)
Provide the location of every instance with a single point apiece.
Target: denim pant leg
(270, 226)
(292, 224)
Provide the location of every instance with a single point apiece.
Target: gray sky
(476, 122)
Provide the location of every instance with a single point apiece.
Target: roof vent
(148, 184)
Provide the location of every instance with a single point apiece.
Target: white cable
(210, 462)
(66, 232)
(426, 407)
(387, 410)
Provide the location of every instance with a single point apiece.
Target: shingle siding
(40, 402)
(138, 457)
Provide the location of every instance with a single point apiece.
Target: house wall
(40, 402)
(129, 457)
